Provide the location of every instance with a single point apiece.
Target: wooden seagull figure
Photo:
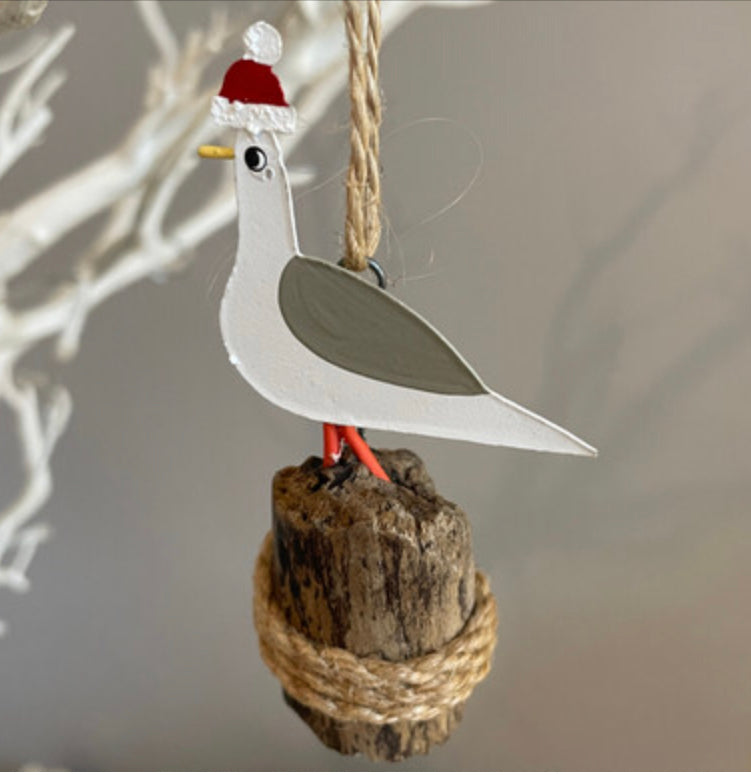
(318, 340)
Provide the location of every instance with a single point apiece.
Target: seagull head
(258, 155)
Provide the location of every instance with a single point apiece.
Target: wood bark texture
(381, 569)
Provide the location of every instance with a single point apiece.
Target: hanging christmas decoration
(367, 603)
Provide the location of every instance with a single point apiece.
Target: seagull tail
(510, 425)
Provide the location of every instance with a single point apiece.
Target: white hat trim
(253, 117)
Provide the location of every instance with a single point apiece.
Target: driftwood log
(380, 569)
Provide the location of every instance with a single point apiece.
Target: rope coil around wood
(350, 688)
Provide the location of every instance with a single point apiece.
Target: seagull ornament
(318, 340)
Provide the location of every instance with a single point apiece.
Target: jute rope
(349, 688)
(362, 227)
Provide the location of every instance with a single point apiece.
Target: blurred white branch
(24, 113)
(134, 185)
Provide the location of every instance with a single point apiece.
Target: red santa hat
(251, 97)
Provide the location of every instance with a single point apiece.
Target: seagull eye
(255, 158)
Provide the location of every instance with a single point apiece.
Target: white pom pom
(263, 44)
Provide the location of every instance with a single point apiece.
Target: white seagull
(317, 340)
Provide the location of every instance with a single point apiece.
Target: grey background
(597, 271)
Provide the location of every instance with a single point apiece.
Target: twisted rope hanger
(362, 227)
(350, 688)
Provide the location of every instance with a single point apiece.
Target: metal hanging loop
(375, 268)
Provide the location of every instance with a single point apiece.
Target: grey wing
(359, 327)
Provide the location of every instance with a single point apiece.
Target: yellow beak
(216, 152)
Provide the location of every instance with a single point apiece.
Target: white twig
(39, 428)
(25, 115)
(10, 60)
(134, 185)
(156, 25)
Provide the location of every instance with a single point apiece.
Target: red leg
(332, 445)
(362, 451)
